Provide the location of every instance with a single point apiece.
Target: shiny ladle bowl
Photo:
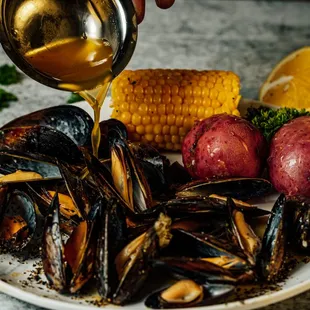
(29, 24)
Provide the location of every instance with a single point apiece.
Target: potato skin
(289, 159)
(224, 146)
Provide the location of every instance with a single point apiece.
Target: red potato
(224, 146)
(289, 160)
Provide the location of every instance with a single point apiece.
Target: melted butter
(82, 65)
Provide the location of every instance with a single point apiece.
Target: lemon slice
(288, 85)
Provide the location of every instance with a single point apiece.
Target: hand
(140, 7)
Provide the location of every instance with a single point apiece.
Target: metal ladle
(26, 25)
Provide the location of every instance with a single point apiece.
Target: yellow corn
(159, 107)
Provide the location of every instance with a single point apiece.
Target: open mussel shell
(273, 249)
(238, 188)
(132, 263)
(204, 204)
(109, 129)
(187, 293)
(201, 245)
(243, 233)
(12, 161)
(74, 122)
(18, 222)
(128, 177)
(52, 249)
(111, 240)
(41, 140)
(80, 250)
(195, 269)
(302, 229)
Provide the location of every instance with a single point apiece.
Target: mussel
(68, 267)
(128, 178)
(243, 233)
(132, 263)
(41, 140)
(73, 121)
(238, 188)
(186, 294)
(18, 221)
(273, 249)
(52, 248)
(112, 239)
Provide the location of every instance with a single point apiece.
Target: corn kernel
(157, 129)
(136, 119)
(131, 128)
(140, 129)
(159, 139)
(146, 119)
(174, 130)
(166, 129)
(149, 129)
(169, 146)
(171, 119)
(155, 119)
(209, 112)
(163, 120)
(143, 109)
(175, 139)
(133, 107)
(179, 120)
(149, 137)
(126, 118)
(152, 108)
(167, 138)
(201, 112)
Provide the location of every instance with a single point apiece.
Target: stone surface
(248, 37)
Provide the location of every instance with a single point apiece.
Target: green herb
(5, 97)
(9, 75)
(75, 98)
(269, 120)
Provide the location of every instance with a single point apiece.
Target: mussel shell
(212, 294)
(197, 245)
(302, 229)
(176, 175)
(136, 271)
(147, 153)
(20, 204)
(83, 255)
(108, 129)
(274, 242)
(41, 140)
(10, 162)
(111, 240)
(238, 188)
(52, 249)
(73, 121)
(195, 269)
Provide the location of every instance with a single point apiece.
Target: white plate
(13, 275)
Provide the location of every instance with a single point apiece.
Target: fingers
(164, 4)
(140, 9)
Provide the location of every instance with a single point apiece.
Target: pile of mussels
(117, 217)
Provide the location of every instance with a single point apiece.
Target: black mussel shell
(11, 161)
(133, 270)
(177, 175)
(111, 240)
(41, 140)
(243, 233)
(211, 294)
(274, 242)
(52, 249)
(238, 188)
(80, 250)
(110, 129)
(19, 221)
(195, 269)
(70, 120)
(201, 245)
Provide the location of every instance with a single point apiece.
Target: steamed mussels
(118, 218)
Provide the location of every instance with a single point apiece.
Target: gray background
(248, 37)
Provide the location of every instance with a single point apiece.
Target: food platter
(24, 279)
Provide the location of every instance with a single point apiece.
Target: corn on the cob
(160, 106)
